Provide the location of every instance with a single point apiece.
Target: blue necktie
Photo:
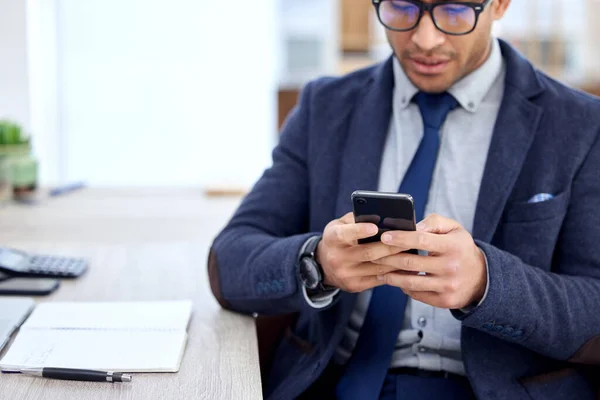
(370, 360)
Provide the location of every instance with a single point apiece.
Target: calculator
(19, 263)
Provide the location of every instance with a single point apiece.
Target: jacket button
(499, 328)
(509, 331)
(487, 325)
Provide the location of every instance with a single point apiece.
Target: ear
(499, 7)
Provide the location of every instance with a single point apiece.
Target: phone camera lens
(361, 201)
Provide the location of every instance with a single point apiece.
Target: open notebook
(115, 336)
(13, 311)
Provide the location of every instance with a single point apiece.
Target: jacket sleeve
(556, 314)
(252, 262)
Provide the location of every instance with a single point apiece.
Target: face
(433, 60)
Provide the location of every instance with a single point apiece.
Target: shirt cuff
(470, 308)
(320, 301)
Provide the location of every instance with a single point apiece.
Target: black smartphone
(28, 286)
(389, 211)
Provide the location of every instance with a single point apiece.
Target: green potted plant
(15, 155)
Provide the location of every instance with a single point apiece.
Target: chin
(431, 83)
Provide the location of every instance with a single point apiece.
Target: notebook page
(122, 351)
(13, 311)
(111, 315)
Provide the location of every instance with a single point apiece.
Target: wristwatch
(310, 271)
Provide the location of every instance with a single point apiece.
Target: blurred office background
(192, 92)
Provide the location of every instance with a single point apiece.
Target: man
(502, 301)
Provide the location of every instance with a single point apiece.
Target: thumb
(348, 218)
(435, 223)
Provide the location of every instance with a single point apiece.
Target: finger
(369, 269)
(430, 242)
(439, 300)
(350, 233)
(435, 223)
(431, 298)
(415, 283)
(372, 251)
(362, 283)
(348, 218)
(414, 263)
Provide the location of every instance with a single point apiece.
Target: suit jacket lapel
(517, 122)
(367, 131)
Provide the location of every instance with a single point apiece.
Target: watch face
(309, 273)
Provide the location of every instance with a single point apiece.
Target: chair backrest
(269, 332)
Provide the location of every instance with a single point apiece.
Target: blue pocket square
(538, 198)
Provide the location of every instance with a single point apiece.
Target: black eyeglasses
(450, 17)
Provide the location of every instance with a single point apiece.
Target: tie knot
(435, 107)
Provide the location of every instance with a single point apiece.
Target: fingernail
(373, 229)
(381, 278)
(386, 237)
(421, 226)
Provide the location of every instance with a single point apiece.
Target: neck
(485, 56)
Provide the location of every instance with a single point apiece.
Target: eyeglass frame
(429, 7)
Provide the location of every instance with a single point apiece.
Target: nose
(426, 36)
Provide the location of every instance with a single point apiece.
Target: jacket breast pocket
(525, 212)
(531, 230)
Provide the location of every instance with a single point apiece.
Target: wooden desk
(143, 245)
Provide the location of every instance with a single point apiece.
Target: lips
(429, 66)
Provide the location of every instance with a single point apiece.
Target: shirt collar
(404, 90)
(469, 91)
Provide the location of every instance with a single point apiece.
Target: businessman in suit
(503, 300)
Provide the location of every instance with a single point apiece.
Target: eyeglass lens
(404, 15)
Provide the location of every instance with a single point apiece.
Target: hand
(348, 265)
(455, 268)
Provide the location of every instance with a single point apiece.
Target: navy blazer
(539, 326)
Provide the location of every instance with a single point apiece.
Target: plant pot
(23, 166)
(6, 188)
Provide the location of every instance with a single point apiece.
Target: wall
(152, 92)
(553, 35)
(14, 74)
(48, 145)
(308, 40)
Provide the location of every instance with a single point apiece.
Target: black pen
(77, 374)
